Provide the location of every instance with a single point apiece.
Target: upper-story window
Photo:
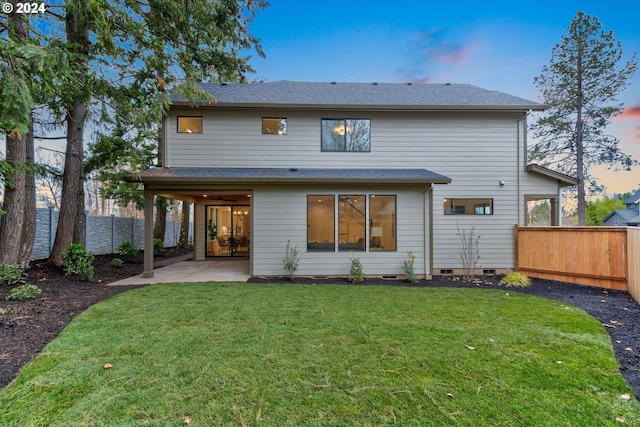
(346, 135)
(468, 206)
(189, 124)
(274, 125)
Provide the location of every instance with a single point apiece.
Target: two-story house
(626, 217)
(346, 170)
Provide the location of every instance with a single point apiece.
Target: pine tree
(580, 84)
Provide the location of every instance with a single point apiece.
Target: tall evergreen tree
(585, 75)
(118, 58)
(25, 77)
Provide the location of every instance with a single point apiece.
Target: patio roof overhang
(184, 175)
(563, 180)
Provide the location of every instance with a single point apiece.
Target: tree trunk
(71, 183)
(14, 203)
(17, 228)
(582, 206)
(79, 225)
(72, 200)
(160, 226)
(28, 236)
(184, 225)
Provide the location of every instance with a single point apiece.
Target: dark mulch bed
(29, 325)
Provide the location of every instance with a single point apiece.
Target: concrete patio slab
(220, 270)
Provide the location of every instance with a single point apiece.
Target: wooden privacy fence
(594, 256)
(633, 260)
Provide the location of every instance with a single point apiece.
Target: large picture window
(351, 223)
(189, 124)
(321, 223)
(346, 135)
(352, 220)
(382, 223)
(468, 206)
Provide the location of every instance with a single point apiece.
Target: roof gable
(563, 179)
(635, 198)
(363, 95)
(626, 215)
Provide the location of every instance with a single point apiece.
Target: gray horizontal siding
(234, 139)
(475, 150)
(280, 214)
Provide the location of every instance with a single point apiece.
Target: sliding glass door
(228, 231)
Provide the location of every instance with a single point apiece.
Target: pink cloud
(457, 56)
(424, 80)
(637, 135)
(632, 112)
(434, 51)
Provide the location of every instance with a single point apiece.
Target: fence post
(86, 230)
(515, 248)
(113, 233)
(52, 229)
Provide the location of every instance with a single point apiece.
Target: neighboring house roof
(290, 176)
(564, 180)
(634, 221)
(635, 198)
(626, 215)
(362, 96)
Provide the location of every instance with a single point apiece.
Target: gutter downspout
(522, 130)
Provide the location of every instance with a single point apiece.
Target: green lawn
(254, 354)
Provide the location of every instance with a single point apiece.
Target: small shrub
(515, 280)
(356, 276)
(291, 260)
(11, 275)
(23, 292)
(3, 311)
(127, 251)
(409, 273)
(158, 244)
(78, 261)
(116, 262)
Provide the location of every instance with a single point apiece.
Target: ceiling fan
(222, 199)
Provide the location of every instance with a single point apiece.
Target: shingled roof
(635, 198)
(291, 176)
(363, 95)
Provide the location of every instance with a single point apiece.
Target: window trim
(274, 118)
(342, 119)
(319, 248)
(474, 202)
(189, 117)
(395, 222)
(365, 215)
(367, 232)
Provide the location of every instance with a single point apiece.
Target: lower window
(321, 223)
(349, 219)
(382, 223)
(352, 221)
(468, 206)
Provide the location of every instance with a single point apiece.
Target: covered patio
(209, 270)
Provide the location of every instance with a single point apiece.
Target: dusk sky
(497, 45)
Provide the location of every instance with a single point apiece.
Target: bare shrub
(469, 253)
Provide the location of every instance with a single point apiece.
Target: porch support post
(555, 218)
(148, 234)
